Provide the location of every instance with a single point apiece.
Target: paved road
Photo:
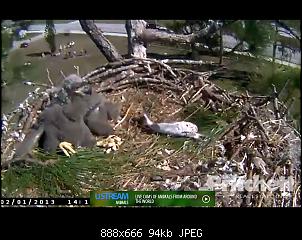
(119, 30)
(75, 26)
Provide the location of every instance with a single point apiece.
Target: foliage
(23, 24)
(258, 34)
(7, 40)
(277, 75)
(50, 35)
(74, 176)
(206, 119)
(295, 24)
(289, 42)
(175, 25)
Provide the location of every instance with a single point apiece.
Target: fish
(176, 129)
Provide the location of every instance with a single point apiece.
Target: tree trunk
(50, 35)
(274, 51)
(221, 47)
(136, 45)
(103, 44)
(275, 45)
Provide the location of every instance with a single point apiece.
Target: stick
(259, 124)
(191, 100)
(110, 71)
(276, 107)
(38, 84)
(177, 111)
(62, 74)
(123, 119)
(295, 196)
(182, 61)
(160, 63)
(78, 70)
(193, 113)
(48, 76)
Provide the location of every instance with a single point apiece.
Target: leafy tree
(50, 33)
(257, 34)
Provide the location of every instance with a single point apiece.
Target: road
(119, 30)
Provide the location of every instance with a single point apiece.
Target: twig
(126, 183)
(110, 71)
(204, 74)
(62, 74)
(261, 200)
(159, 62)
(142, 80)
(259, 124)
(183, 61)
(38, 84)
(196, 94)
(283, 89)
(177, 111)
(193, 113)
(138, 186)
(186, 92)
(123, 119)
(48, 76)
(115, 94)
(295, 196)
(276, 107)
(98, 70)
(78, 70)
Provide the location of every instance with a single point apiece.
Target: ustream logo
(111, 196)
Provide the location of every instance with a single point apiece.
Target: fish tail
(147, 120)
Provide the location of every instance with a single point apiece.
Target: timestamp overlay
(153, 198)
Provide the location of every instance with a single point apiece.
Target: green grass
(15, 71)
(74, 176)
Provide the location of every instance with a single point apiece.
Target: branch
(236, 47)
(151, 35)
(282, 24)
(139, 36)
(103, 44)
(184, 61)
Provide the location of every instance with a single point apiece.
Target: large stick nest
(260, 140)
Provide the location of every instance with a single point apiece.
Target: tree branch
(103, 44)
(282, 24)
(139, 36)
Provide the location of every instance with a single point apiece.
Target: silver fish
(177, 129)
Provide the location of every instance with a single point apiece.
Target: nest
(260, 142)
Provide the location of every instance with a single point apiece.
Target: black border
(219, 9)
(233, 223)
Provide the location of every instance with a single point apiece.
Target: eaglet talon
(67, 148)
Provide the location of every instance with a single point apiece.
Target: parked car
(24, 45)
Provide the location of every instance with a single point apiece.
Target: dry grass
(146, 150)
